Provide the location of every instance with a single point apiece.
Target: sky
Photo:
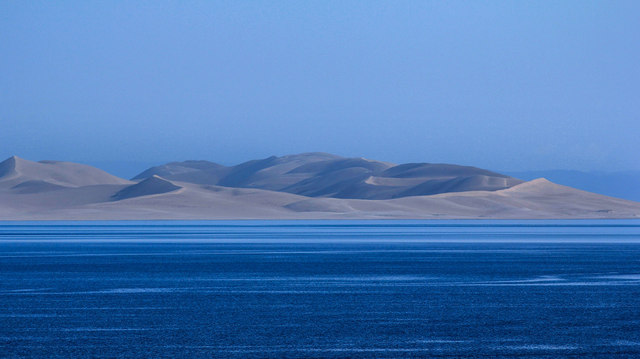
(503, 85)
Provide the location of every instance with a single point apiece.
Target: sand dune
(622, 184)
(330, 184)
(270, 173)
(460, 184)
(437, 170)
(15, 171)
(150, 186)
(306, 186)
(36, 186)
(325, 175)
(61, 198)
(175, 168)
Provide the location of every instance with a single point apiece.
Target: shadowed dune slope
(175, 168)
(435, 170)
(269, 173)
(460, 184)
(150, 186)
(36, 186)
(325, 175)
(272, 173)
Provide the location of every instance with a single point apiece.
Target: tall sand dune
(15, 171)
(325, 175)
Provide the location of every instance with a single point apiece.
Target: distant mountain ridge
(326, 175)
(303, 186)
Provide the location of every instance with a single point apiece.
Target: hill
(326, 175)
(304, 186)
(52, 174)
(624, 184)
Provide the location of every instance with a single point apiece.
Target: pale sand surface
(307, 186)
(15, 171)
(538, 199)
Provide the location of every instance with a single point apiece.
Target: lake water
(320, 289)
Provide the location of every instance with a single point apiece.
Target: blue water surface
(320, 289)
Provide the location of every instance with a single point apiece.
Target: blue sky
(505, 85)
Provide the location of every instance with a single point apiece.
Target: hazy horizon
(506, 86)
